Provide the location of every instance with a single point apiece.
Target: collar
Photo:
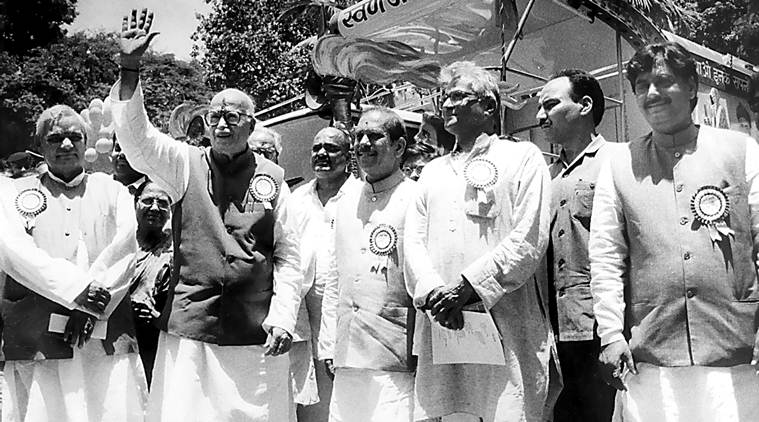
(76, 181)
(346, 185)
(679, 139)
(481, 143)
(596, 142)
(235, 164)
(387, 183)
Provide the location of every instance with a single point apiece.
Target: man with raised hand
(477, 233)
(235, 288)
(368, 313)
(673, 240)
(67, 243)
(314, 205)
(570, 107)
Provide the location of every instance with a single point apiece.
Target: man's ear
(587, 105)
(400, 147)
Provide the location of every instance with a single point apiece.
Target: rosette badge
(263, 188)
(30, 203)
(383, 239)
(711, 206)
(480, 173)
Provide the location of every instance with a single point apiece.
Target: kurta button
(374, 199)
(561, 262)
(355, 308)
(68, 208)
(229, 229)
(66, 234)
(563, 202)
(679, 187)
(561, 232)
(690, 292)
(686, 256)
(677, 154)
(683, 221)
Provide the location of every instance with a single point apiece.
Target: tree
(78, 69)
(26, 24)
(242, 45)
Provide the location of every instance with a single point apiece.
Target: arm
(156, 154)
(419, 273)
(517, 256)
(288, 278)
(115, 264)
(328, 328)
(608, 252)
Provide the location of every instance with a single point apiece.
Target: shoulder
(303, 190)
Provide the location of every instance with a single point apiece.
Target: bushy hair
(675, 56)
(583, 83)
(483, 83)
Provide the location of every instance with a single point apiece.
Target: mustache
(656, 101)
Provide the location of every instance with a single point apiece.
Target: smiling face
(378, 156)
(152, 208)
(664, 98)
(229, 135)
(329, 154)
(558, 114)
(63, 146)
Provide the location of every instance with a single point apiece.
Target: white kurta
(495, 239)
(74, 241)
(166, 162)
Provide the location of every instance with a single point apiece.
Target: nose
(541, 115)
(448, 103)
(652, 90)
(154, 206)
(67, 143)
(222, 122)
(364, 141)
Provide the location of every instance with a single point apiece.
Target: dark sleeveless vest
(26, 314)
(691, 301)
(223, 248)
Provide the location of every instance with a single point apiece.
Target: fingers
(143, 15)
(125, 24)
(329, 366)
(456, 319)
(149, 22)
(133, 22)
(627, 358)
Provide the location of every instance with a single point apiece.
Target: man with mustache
(235, 288)
(570, 107)
(315, 214)
(67, 244)
(367, 311)
(673, 241)
(475, 235)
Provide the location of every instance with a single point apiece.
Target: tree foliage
(242, 45)
(728, 26)
(78, 69)
(26, 24)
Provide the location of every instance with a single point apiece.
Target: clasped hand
(94, 298)
(446, 304)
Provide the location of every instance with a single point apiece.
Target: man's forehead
(371, 121)
(333, 136)
(261, 137)
(232, 98)
(556, 87)
(67, 124)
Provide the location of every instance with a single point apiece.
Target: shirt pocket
(582, 202)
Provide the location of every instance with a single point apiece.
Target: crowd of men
(192, 285)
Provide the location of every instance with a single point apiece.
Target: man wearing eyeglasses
(266, 142)
(367, 316)
(68, 239)
(235, 288)
(474, 238)
(315, 216)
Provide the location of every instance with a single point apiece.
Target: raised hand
(135, 37)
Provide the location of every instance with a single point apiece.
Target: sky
(174, 19)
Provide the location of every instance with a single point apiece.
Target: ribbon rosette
(382, 242)
(711, 206)
(30, 203)
(481, 173)
(264, 189)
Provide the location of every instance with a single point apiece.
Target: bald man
(235, 288)
(330, 155)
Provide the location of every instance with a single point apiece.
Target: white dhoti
(372, 396)
(90, 387)
(689, 394)
(195, 381)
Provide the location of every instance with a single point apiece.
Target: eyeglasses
(232, 117)
(57, 138)
(458, 97)
(161, 203)
(412, 172)
(329, 148)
